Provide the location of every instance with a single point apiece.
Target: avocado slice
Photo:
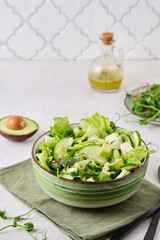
(116, 165)
(105, 150)
(28, 129)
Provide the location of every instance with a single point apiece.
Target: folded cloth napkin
(77, 223)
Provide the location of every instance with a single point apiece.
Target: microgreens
(28, 226)
(146, 103)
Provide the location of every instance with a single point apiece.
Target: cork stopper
(107, 37)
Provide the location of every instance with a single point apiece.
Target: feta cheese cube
(125, 147)
(112, 137)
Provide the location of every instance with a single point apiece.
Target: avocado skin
(18, 138)
(23, 136)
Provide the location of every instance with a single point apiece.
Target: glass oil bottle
(106, 72)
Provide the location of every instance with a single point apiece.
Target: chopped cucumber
(61, 147)
(116, 144)
(122, 131)
(135, 138)
(93, 152)
(126, 138)
(115, 154)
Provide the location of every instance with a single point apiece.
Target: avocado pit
(17, 128)
(15, 123)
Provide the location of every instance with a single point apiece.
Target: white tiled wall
(69, 29)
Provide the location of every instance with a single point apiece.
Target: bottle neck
(113, 51)
(107, 49)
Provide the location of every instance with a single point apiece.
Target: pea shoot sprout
(27, 226)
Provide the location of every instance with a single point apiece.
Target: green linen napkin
(77, 223)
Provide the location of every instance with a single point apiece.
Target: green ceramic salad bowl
(72, 184)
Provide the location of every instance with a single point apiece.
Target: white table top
(42, 90)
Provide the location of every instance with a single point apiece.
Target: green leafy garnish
(3, 214)
(146, 103)
(27, 226)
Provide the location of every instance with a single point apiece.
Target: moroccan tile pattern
(69, 30)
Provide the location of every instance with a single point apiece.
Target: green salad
(93, 150)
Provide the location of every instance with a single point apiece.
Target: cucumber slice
(126, 138)
(93, 152)
(122, 131)
(135, 138)
(116, 144)
(61, 147)
(115, 154)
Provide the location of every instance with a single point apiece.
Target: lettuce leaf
(44, 152)
(136, 155)
(96, 125)
(61, 128)
(43, 158)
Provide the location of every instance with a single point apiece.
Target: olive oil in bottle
(105, 72)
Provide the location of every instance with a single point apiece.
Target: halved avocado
(17, 131)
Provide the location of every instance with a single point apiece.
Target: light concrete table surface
(42, 90)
